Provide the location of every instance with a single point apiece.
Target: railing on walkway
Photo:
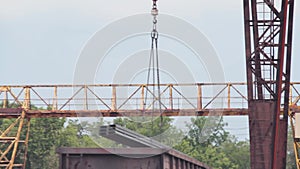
(130, 99)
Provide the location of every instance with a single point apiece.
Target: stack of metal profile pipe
(128, 137)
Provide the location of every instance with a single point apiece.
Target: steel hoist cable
(154, 66)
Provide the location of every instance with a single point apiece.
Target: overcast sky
(41, 40)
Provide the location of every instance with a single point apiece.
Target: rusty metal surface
(117, 99)
(14, 113)
(99, 101)
(125, 158)
(268, 44)
(260, 124)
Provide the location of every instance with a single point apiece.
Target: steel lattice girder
(268, 41)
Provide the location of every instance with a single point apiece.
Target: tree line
(218, 149)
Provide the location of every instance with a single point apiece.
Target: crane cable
(154, 64)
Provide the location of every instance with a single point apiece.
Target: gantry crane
(268, 41)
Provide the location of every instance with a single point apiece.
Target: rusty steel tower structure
(268, 41)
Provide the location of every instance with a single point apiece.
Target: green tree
(48, 134)
(206, 140)
(75, 135)
(291, 160)
(146, 126)
(45, 136)
(207, 131)
(237, 151)
(43, 140)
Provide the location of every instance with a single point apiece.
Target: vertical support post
(165, 161)
(85, 98)
(26, 143)
(199, 97)
(142, 103)
(171, 96)
(278, 132)
(291, 95)
(5, 100)
(173, 162)
(228, 96)
(25, 106)
(248, 48)
(114, 99)
(179, 163)
(54, 105)
(67, 160)
(288, 18)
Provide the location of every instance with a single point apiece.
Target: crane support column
(268, 42)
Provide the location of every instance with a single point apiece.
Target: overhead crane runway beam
(99, 101)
